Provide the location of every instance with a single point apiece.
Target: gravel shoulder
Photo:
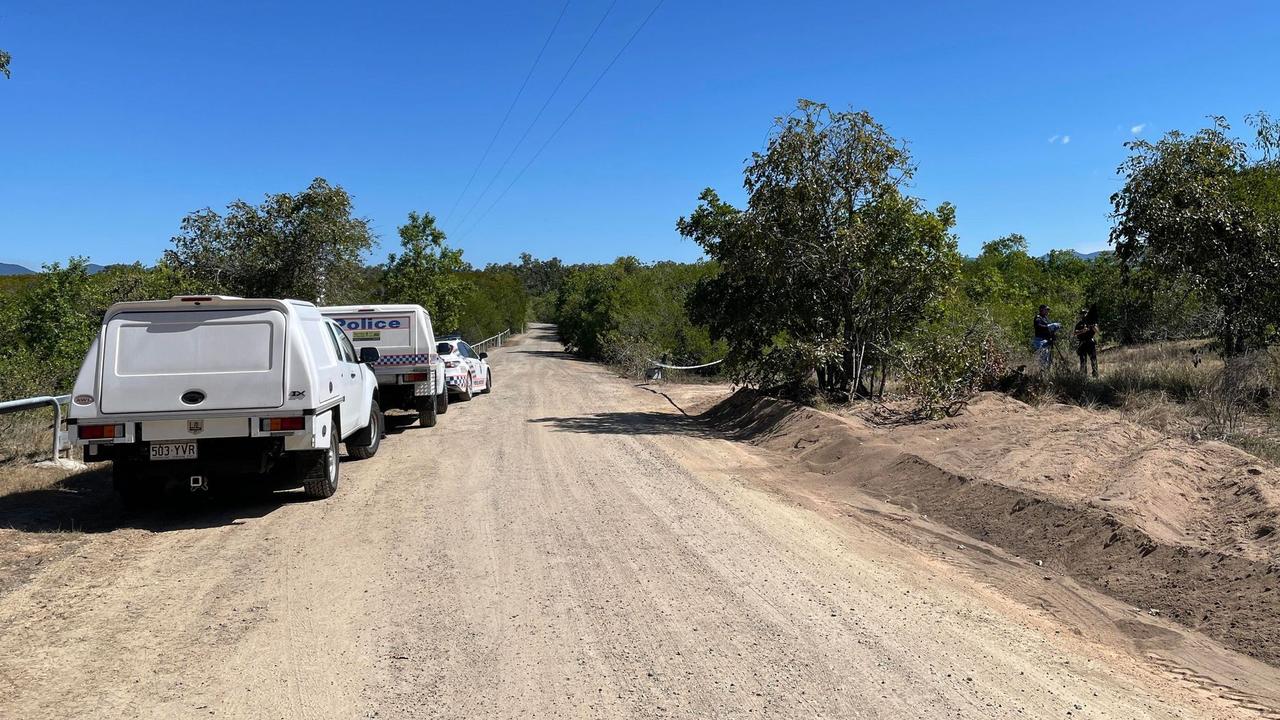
(568, 546)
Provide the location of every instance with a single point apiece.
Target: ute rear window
(180, 346)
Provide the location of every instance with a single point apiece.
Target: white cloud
(1066, 139)
(1054, 139)
(1138, 128)
(1060, 139)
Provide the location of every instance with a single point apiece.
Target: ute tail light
(282, 424)
(415, 377)
(99, 432)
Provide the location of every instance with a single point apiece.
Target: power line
(538, 116)
(510, 107)
(565, 121)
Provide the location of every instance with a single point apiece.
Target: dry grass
(26, 436)
(1180, 388)
(15, 478)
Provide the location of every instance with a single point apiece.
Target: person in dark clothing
(1046, 332)
(1086, 332)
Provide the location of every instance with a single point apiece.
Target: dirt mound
(1189, 530)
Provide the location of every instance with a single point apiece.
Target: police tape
(655, 363)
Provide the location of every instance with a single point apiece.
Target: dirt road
(569, 546)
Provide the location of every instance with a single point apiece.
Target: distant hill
(1083, 256)
(11, 269)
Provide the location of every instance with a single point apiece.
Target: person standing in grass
(1086, 333)
(1046, 331)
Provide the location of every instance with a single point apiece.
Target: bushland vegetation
(630, 313)
(832, 281)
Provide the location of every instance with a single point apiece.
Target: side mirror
(484, 355)
(369, 355)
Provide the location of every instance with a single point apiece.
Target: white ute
(410, 372)
(201, 387)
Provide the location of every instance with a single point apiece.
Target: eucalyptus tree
(1204, 210)
(427, 272)
(306, 245)
(829, 262)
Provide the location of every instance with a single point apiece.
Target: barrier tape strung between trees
(655, 363)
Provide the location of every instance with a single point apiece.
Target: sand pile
(1188, 530)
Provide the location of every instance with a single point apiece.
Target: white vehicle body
(408, 369)
(216, 385)
(466, 371)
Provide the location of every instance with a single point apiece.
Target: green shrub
(942, 369)
(628, 313)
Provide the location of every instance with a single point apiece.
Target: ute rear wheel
(426, 410)
(319, 470)
(442, 403)
(364, 444)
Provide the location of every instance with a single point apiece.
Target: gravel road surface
(569, 546)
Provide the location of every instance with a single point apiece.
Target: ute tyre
(319, 470)
(488, 382)
(366, 442)
(442, 403)
(426, 411)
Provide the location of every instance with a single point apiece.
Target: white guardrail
(495, 341)
(33, 403)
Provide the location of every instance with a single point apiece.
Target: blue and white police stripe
(413, 359)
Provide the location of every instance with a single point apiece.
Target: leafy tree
(5, 59)
(830, 262)
(428, 273)
(628, 312)
(306, 246)
(56, 318)
(586, 308)
(1201, 210)
(497, 301)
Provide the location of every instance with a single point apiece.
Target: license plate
(173, 451)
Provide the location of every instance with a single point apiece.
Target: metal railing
(32, 403)
(495, 341)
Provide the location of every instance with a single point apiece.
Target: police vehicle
(409, 370)
(466, 371)
(190, 390)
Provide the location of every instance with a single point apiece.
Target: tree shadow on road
(631, 423)
(559, 354)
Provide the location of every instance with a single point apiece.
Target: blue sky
(122, 117)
